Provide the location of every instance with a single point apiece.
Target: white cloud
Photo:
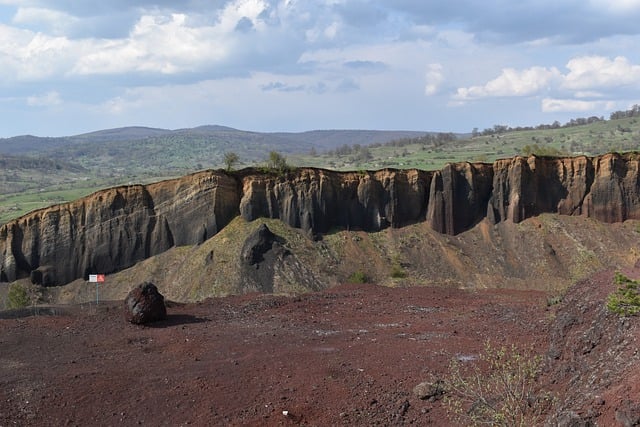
(512, 83)
(28, 56)
(617, 6)
(434, 78)
(54, 21)
(237, 10)
(157, 44)
(47, 100)
(582, 88)
(550, 105)
(593, 72)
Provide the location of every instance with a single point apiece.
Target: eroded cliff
(115, 228)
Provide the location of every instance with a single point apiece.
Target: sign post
(97, 279)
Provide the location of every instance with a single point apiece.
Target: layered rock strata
(113, 229)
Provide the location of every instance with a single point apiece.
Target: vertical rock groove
(114, 228)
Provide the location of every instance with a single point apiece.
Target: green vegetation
(554, 300)
(277, 162)
(500, 389)
(17, 297)
(542, 151)
(230, 160)
(625, 301)
(358, 277)
(582, 136)
(397, 270)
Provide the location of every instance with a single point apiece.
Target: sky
(69, 67)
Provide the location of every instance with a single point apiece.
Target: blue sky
(68, 66)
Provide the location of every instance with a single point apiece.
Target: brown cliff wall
(458, 197)
(317, 200)
(115, 228)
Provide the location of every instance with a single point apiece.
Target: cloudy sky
(69, 66)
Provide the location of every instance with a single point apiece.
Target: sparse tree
(277, 161)
(230, 160)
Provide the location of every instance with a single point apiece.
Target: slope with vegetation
(582, 136)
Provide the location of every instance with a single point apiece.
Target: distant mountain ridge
(286, 141)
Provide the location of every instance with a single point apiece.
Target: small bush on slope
(505, 393)
(625, 301)
(17, 296)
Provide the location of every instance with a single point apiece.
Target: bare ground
(346, 356)
(350, 355)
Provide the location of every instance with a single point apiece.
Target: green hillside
(589, 139)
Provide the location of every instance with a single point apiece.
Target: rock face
(45, 275)
(262, 255)
(257, 245)
(144, 304)
(115, 228)
(317, 200)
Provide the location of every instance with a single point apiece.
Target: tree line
(581, 121)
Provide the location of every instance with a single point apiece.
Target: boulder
(144, 304)
(430, 390)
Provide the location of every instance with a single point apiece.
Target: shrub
(277, 162)
(554, 300)
(504, 394)
(17, 297)
(397, 272)
(358, 277)
(625, 301)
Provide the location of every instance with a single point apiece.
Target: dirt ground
(350, 355)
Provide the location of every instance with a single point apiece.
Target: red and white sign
(96, 278)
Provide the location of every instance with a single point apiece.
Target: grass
(13, 205)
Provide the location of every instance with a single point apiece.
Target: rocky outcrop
(317, 200)
(262, 253)
(458, 197)
(115, 228)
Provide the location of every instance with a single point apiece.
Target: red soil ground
(347, 356)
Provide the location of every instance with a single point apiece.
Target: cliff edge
(113, 229)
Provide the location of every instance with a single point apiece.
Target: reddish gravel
(350, 355)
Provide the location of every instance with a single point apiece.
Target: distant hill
(291, 142)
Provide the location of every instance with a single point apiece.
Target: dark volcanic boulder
(144, 304)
